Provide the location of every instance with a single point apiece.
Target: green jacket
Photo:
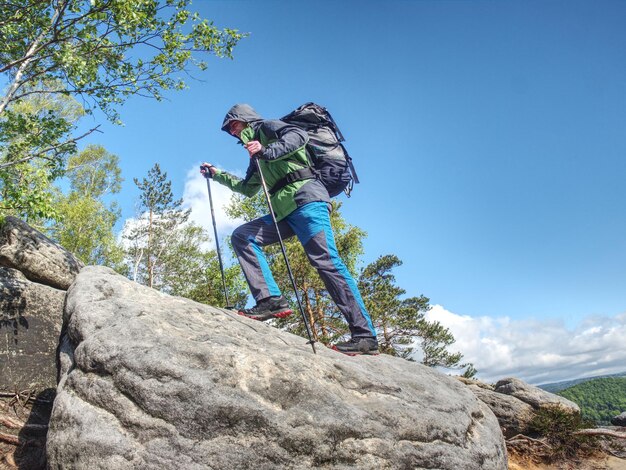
(283, 152)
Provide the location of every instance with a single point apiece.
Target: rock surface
(34, 273)
(30, 324)
(619, 420)
(151, 381)
(35, 255)
(532, 395)
(513, 414)
(515, 402)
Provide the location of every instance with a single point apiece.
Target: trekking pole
(282, 247)
(207, 176)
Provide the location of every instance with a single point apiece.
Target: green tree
(85, 223)
(401, 322)
(99, 51)
(558, 427)
(599, 399)
(155, 229)
(189, 269)
(25, 185)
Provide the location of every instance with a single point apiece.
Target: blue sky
(488, 137)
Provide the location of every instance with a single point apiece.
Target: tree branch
(49, 149)
(601, 432)
(9, 439)
(11, 423)
(520, 438)
(30, 53)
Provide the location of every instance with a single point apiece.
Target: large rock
(151, 381)
(30, 324)
(619, 420)
(35, 255)
(534, 396)
(513, 414)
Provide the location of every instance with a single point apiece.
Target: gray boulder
(35, 255)
(30, 324)
(534, 396)
(513, 415)
(619, 420)
(152, 381)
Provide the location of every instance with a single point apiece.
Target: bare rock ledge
(152, 381)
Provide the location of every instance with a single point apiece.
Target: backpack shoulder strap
(297, 175)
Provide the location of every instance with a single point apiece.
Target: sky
(489, 140)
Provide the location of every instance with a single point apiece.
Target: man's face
(235, 127)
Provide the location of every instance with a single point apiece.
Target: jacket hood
(240, 112)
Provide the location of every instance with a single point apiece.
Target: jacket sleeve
(285, 139)
(248, 186)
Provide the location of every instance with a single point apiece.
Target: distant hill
(558, 386)
(599, 399)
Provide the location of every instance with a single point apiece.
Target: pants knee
(238, 240)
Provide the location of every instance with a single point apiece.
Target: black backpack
(331, 163)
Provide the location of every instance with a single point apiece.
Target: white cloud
(537, 351)
(196, 197)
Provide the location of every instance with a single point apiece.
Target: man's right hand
(208, 168)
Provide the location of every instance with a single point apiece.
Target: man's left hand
(253, 147)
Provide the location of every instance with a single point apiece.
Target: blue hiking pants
(311, 224)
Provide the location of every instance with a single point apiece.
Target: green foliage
(156, 192)
(558, 428)
(94, 172)
(99, 51)
(190, 270)
(84, 224)
(105, 50)
(25, 193)
(168, 252)
(470, 371)
(156, 229)
(555, 387)
(599, 399)
(401, 322)
(33, 125)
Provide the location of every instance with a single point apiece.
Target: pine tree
(401, 322)
(155, 230)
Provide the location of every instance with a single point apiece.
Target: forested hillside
(555, 387)
(599, 399)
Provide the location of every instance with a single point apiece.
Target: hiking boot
(358, 346)
(271, 307)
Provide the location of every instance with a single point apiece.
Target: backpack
(330, 161)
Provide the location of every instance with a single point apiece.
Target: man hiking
(302, 209)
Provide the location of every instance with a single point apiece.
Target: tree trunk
(309, 310)
(602, 432)
(149, 250)
(28, 58)
(321, 317)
